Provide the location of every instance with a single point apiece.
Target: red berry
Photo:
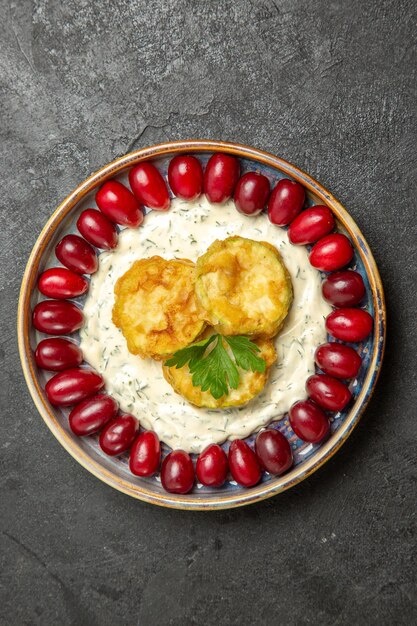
(119, 204)
(338, 360)
(145, 454)
(251, 193)
(92, 414)
(212, 466)
(97, 229)
(177, 472)
(345, 288)
(73, 385)
(220, 177)
(61, 283)
(286, 202)
(349, 324)
(57, 318)
(244, 466)
(328, 392)
(273, 451)
(185, 176)
(118, 434)
(331, 252)
(311, 225)
(56, 354)
(149, 187)
(77, 255)
(308, 421)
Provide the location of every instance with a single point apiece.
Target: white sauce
(186, 231)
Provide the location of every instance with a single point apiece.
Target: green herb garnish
(212, 366)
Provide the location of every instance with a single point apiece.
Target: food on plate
(119, 204)
(349, 324)
(332, 252)
(243, 463)
(328, 392)
(338, 360)
(92, 414)
(57, 318)
(345, 288)
(156, 308)
(273, 451)
(212, 466)
(285, 202)
(73, 385)
(185, 176)
(97, 229)
(56, 354)
(149, 187)
(77, 255)
(311, 225)
(220, 177)
(220, 381)
(61, 283)
(244, 287)
(251, 193)
(118, 434)
(145, 454)
(177, 472)
(309, 421)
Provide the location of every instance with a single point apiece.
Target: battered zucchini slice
(250, 383)
(156, 308)
(244, 287)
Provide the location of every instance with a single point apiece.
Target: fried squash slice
(156, 308)
(244, 287)
(250, 383)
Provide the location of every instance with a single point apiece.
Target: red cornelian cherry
(338, 360)
(145, 454)
(185, 176)
(331, 252)
(311, 225)
(273, 451)
(57, 317)
(92, 414)
(177, 472)
(119, 204)
(61, 283)
(149, 187)
(77, 255)
(243, 463)
(212, 466)
(349, 324)
(251, 193)
(285, 202)
(56, 354)
(308, 421)
(117, 436)
(73, 385)
(345, 288)
(328, 392)
(220, 177)
(97, 229)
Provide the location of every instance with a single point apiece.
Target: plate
(114, 471)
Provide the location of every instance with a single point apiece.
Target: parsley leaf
(214, 370)
(191, 353)
(244, 351)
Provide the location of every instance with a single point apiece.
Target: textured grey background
(329, 86)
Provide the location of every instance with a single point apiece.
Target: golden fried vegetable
(250, 383)
(244, 287)
(156, 308)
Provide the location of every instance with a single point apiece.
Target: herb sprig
(212, 366)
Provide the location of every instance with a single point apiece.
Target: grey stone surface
(329, 86)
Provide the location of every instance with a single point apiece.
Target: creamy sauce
(186, 231)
